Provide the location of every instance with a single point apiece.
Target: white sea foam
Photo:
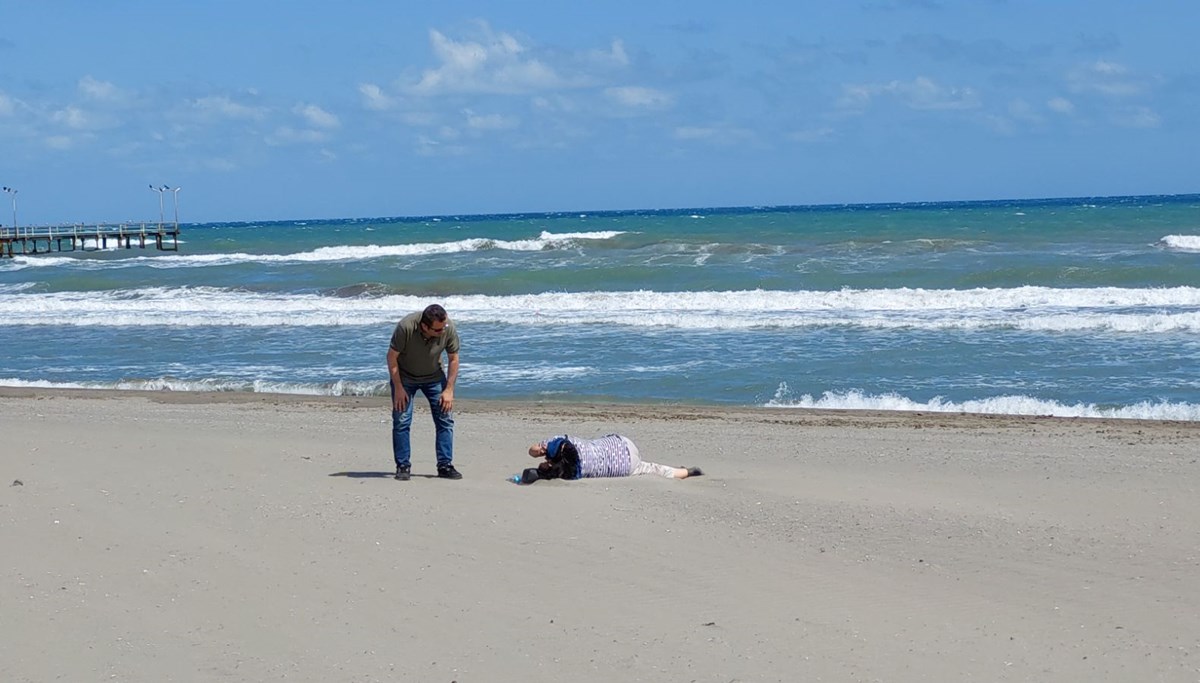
(1155, 310)
(23, 262)
(1181, 242)
(539, 374)
(596, 235)
(338, 388)
(546, 240)
(850, 400)
(45, 384)
(998, 405)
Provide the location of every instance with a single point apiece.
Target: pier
(66, 238)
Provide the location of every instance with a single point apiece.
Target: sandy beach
(247, 537)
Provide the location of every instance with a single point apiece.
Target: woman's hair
(551, 470)
(568, 452)
(562, 464)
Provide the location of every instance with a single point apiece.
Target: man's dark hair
(431, 313)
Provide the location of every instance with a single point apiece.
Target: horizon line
(756, 208)
(748, 208)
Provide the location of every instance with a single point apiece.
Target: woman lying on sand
(612, 455)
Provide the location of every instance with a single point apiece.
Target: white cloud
(316, 116)
(1000, 124)
(489, 121)
(1060, 105)
(220, 106)
(59, 142)
(286, 135)
(1019, 115)
(99, 90)
(1106, 78)
(1021, 110)
(921, 93)
(639, 97)
(374, 98)
(855, 97)
(614, 56)
(1138, 117)
(430, 147)
(467, 56)
(496, 64)
(6, 105)
(554, 103)
(72, 117)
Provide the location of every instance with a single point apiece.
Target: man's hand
(400, 402)
(447, 399)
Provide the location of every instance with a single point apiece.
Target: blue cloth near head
(554, 446)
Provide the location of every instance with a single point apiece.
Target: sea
(1071, 307)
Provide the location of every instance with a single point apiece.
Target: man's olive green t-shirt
(420, 359)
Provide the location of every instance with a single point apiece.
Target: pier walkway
(63, 238)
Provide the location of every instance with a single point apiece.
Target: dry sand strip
(203, 537)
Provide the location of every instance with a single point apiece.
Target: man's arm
(400, 397)
(451, 377)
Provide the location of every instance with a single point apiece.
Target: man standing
(414, 362)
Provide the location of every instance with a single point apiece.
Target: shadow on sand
(378, 475)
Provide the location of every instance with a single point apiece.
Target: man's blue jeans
(443, 422)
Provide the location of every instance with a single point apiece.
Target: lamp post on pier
(176, 191)
(160, 191)
(13, 192)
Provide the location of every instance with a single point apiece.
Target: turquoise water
(1069, 307)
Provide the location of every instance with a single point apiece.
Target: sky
(297, 109)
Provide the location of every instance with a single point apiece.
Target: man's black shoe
(694, 472)
(403, 473)
(448, 472)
